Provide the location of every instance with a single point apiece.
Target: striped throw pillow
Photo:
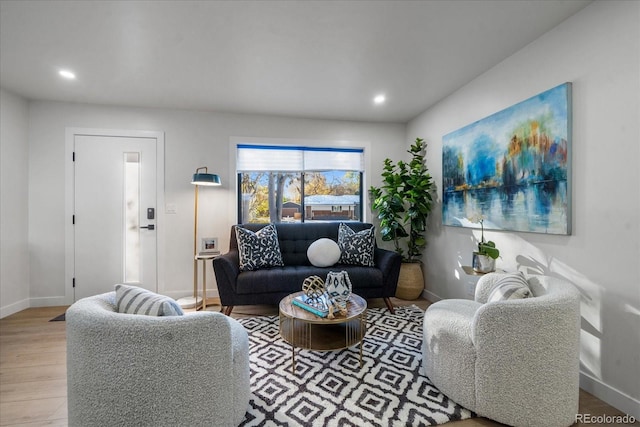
(511, 286)
(135, 300)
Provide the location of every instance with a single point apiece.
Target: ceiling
(316, 59)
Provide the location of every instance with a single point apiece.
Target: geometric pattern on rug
(330, 388)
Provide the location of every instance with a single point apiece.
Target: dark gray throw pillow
(260, 249)
(356, 248)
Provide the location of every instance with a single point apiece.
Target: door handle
(150, 227)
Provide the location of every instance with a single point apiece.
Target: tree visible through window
(298, 195)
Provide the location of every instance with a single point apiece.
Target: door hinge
(74, 282)
(73, 219)
(73, 156)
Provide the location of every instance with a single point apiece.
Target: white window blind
(295, 158)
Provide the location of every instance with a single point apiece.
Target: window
(131, 203)
(292, 183)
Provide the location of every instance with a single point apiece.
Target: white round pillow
(323, 253)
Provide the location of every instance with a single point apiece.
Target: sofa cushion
(323, 253)
(258, 249)
(357, 247)
(289, 279)
(135, 300)
(510, 286)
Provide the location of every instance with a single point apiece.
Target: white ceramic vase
(338, 287)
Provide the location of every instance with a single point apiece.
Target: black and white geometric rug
(330, 388)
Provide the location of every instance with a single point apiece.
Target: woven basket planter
(411, 281)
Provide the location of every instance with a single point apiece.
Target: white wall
(192, 139)
(14, 253)
(598, 50)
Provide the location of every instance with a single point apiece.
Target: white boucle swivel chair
(137, 370)
(514, 361)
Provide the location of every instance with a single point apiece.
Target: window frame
(303, 211)
(363, 213)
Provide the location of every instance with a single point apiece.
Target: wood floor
(33, 368)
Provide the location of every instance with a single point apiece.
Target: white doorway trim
(70, 134)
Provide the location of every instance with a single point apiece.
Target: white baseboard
(47, 302)
(430, 296)
(10, 309)
(211, 293)
(610, 395)
(176, 295)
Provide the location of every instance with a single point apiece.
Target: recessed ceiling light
(379, 99)
(69, 75)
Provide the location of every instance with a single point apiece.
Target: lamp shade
(205, 178)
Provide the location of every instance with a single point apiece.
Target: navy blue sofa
(270, 285)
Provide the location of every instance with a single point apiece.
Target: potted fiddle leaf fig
(403, 204)
(484, 259)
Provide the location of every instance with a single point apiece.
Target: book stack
(318, 306)
(208, 253)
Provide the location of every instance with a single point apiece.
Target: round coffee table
(305, 330)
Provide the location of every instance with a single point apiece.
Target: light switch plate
(170, 209)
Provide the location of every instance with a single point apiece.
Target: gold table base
(304, 330)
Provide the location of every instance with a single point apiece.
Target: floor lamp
(204, 179)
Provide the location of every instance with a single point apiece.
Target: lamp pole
(207, 179)
(195, 248)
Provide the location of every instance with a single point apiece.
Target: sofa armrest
(389, 263)
(227, 268)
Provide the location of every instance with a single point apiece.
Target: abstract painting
(512, 169)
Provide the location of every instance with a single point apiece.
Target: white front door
(114, 213)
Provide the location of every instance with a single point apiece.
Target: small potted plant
(484, 259)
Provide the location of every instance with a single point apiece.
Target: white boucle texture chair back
(137, 370)
(539, 285)
(514, 361)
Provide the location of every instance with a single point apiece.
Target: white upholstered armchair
(514, 361)
(137, 370)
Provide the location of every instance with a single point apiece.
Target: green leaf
(404, 201)
(488, 249)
